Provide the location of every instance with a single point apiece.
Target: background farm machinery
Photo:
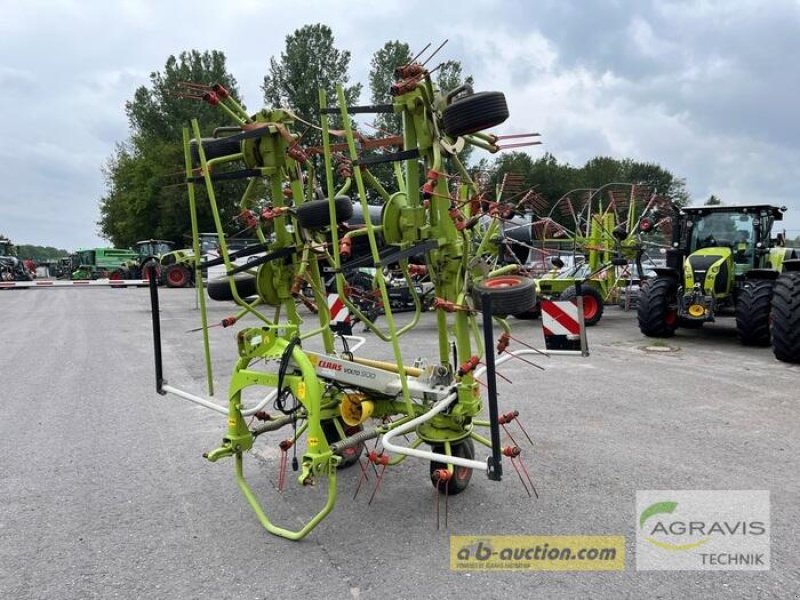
(11, 267)
(591, 237)
(723, 261)
(332, 400)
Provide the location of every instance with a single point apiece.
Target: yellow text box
(537, 553)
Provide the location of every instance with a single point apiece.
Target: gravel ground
(105, 493)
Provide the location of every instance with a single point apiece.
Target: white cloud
(705, 89)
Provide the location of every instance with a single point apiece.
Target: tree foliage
(309, 63)
(381, 77)
(144, 197)
(552, 179)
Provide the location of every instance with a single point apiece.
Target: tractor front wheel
(656, 311)
(786, 317)
(460, 476)
(177, 276)
(752, 312)
(592, 303)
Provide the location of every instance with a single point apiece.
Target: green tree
(712, 201)
(309, 63)
(144, 197)
(381, 77)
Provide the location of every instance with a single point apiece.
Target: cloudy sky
(707, 89)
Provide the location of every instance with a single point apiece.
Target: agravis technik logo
(704, 530)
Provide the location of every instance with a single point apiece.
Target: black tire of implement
(461, 475)
(470, 114)
(653, 307)
(512, 300)
(184, 281)
(752, 312)
(213, 148)
(786, 317)
(316, 215)
(219, 288)
(351, 455)
(586, 290)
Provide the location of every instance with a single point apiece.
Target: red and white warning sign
(563, 326)
(339, 314)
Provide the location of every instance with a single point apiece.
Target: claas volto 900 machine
(332, 400)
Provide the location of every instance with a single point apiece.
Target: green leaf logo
(656, 509)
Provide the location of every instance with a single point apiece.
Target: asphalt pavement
(104, 492)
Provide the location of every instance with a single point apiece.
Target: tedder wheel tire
(315, 214)
(752, 312)
(511, 294)
(177, 276)
(656, 311)
(592, 303)
(786, 317)
(461, 475)
(349, 456)
(220, 288)
(470, 114)
(214, 148)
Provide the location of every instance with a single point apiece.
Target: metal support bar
(495, 470)
(155, 310)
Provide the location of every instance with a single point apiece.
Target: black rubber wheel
(511, 294)
(461, 475)
(786, 317)
(349, 456)
(752, 312)
(473, 113)
(656, 310)
(214, 148)
(177, 276)
(316, 215)
(593, 304)
(220, 288)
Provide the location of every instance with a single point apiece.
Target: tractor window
(731, 230)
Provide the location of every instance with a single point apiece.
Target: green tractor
(724, 261)
(174, 267)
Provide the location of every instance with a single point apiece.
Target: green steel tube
(198, 273)
(387, 309)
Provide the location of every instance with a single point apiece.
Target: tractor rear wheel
(786, 317)
(752, 312)
(177, 276)
(350, 455)
(316, 214)
(461, 475)
(592, 303)
(656, 311)
(473, 113)
(510, 294)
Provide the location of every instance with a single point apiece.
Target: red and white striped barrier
(49, 283)
(563, 326)
(339, 315)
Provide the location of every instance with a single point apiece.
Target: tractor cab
(153, 249)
